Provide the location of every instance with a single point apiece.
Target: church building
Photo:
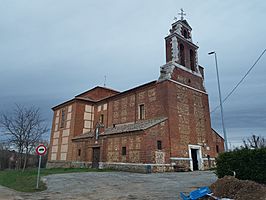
(163, 125)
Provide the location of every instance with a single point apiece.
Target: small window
(141, 111)
(63, 118)
(79, 152)
(159, 145)
(217, 148)
(182, 54)
(101, 118)
(192, 60)
(124, 151)
(185, 34)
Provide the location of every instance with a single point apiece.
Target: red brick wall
(60, 130)
(149, 148)
(219, 141)
(140, 146)
(76, 128)
(85, 151)
(187, 78)
(188, 123)
(79, 118)
(113, 148)
(124, 108)
(190, 120)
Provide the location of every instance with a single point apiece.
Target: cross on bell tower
(180, 48)
(182, 14)
(182, 55)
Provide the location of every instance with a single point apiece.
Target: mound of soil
(231, 187)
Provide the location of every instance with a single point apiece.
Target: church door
(95, 157)
(194, 156)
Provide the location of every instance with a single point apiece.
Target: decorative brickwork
(163, 125)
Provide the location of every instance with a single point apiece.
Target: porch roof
(131, 127)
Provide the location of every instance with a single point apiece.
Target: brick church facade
(163, 125)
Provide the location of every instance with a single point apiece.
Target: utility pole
(221, 103)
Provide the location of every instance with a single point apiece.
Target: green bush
(248, 164)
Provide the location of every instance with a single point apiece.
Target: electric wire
(242, 79)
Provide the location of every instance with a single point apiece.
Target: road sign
(41, 150)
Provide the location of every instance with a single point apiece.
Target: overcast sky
(51, 51)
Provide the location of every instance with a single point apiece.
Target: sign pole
(40, 150)
(38, 177)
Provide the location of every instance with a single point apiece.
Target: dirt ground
(115, 186)
(233, 188)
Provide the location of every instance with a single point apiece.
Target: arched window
(192, 60)
(185, 34)
(182, 54)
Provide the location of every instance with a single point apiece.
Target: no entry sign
(41, 150)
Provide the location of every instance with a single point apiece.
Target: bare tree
(4, 145)
(23, 128)
(254, 142)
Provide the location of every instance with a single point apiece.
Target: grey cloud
(53, 50)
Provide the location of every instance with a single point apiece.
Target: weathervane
(182, 14)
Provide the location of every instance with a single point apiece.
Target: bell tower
(181, 52)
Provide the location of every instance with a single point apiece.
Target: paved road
(115, 185)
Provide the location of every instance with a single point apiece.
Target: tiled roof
(84, 136)
(185, 22)
(214, 131)
(78, 97)
(131, 127)
(98, 87)
(72, 100)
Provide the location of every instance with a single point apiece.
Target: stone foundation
(128, 167)
(139, 168)
(65, 164)
(177, 166)
(163, 168)
(181, 165)
(208, 164)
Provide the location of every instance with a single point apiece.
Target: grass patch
(26, 181)
(21, 181)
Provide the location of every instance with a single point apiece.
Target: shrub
(248, 164)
